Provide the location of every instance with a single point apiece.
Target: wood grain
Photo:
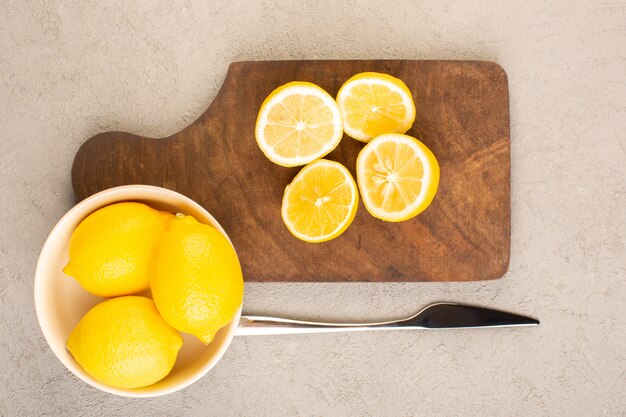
(462, 115)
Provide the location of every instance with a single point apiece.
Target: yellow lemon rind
(101, 247)
(92, 343)
(197, 285)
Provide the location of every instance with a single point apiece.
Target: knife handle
(261, 326)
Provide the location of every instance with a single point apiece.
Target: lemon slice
(372, 103)
(321, 202)
(398, 177)
(298, 123)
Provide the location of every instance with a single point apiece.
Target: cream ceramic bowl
(61, 302)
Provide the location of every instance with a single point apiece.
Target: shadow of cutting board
(462, 115)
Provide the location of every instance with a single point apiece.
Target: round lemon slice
(372, 103)
(298, 123)
(321, 202)
(398, 177)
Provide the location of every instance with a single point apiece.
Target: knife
(433, 317)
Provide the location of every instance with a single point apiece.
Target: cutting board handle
(114, 158)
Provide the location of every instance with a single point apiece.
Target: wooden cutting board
(462, 115)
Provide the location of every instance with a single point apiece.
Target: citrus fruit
(298, 123)
(372, 103)
(197, 283)
(397, 175)
(111, 249)
(123, 342)
(321, 202)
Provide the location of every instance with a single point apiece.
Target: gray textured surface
(71, 69)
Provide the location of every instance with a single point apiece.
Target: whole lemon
(111, 250)
(197, 283)
(123, 342)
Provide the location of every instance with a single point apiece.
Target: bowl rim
(120, 194)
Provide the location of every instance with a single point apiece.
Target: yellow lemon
(398, 177)
(197, 283)
(298, 123)
(111, 250)
(372, 103)
(321, 202)
(123, 342)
